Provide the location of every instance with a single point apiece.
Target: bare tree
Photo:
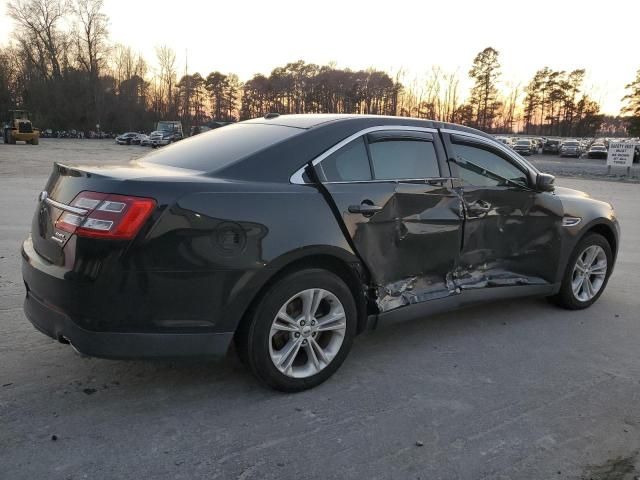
(39, 31)
(167, 79)
(91, 35)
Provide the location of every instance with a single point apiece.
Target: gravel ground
(516, 389)
(584, 168)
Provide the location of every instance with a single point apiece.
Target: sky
(254, 36)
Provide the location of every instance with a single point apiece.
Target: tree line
(62, 66)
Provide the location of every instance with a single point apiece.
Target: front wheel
(300, 331)
(587, 273)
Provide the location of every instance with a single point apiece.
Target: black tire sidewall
(257, 338)
(566, 297)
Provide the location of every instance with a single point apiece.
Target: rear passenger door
(393, 193)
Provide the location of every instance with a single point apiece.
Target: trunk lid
(66, 182)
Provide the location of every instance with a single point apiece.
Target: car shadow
(227, 380)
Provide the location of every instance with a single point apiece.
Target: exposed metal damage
(417, 289)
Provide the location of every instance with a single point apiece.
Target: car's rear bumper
(57, 306)
(121, 345)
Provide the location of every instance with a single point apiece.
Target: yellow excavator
(19, 128)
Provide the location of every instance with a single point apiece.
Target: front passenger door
(511, 232)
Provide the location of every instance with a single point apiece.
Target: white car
(145, 140)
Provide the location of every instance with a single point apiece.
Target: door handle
(365, 208)
(479, 206)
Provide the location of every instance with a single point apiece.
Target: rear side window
(403, 159)
(219, 148)
(348, 164)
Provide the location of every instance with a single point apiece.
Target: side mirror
(545, 182)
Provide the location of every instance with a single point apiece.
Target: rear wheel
(587, 273)
(300, 331)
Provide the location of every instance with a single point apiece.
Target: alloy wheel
(589, 273)
(307, 333)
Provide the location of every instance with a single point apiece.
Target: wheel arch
(335, 260)
(607, 231)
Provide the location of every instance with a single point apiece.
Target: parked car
(551, 146)
(597, 151)
(198, 129)
(137, 139)
(166, 132)
(508, 141)
(289, 235)
(570, 148)
(536, 145)
(126, 138)
(145, 140)
(524, 146)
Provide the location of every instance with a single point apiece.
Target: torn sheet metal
(417, 289)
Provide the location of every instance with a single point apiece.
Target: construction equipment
(19, 128)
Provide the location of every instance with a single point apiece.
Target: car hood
(570, 192)
(580, 204)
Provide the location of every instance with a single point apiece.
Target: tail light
(116, 217)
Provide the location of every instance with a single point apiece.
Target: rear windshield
(221, 147)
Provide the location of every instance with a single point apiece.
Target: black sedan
(289, 235)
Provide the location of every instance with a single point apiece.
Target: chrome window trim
(426, 180)
(492, 143)
(297, 179)
(66, 208)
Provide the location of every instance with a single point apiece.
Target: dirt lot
(516, 389)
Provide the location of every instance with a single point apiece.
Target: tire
(261, 343)
(35, 141)
(567, 297)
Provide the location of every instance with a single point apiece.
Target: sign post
(620, 155)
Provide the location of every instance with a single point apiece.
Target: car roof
(313, 120)
(318, 132)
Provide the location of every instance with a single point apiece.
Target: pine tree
(484, 94)
(632, 105)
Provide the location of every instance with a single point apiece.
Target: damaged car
(289, 235)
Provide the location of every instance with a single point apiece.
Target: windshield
(219, 148)
(523, 142)
(167, 126)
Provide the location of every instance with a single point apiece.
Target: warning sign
(620, 154)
